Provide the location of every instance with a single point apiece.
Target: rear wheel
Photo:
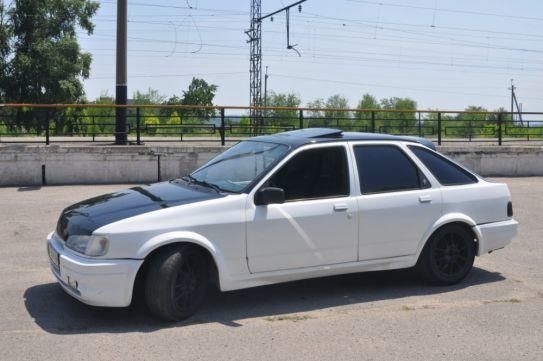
(448, 255)
(176, 283)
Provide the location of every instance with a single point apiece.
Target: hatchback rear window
(445, 171)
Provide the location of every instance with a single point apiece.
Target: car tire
(448, 256)
(176, 282)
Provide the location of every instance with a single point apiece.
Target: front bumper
(496, 235)
(96, 282)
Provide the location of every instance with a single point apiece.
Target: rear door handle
(425, 199)
(340, 207)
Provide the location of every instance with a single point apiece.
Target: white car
(290, 206)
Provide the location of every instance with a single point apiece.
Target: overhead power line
(164, 6)
(380, 85)
(346, 25)
(411, 52)
(170, 75)
(479, 13)
(455, 50)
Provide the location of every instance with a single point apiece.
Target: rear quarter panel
(484, 202)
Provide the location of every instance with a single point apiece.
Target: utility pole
(266, 88)
(514, 103)
(512, 99)
(121, 73)
(265, 112)
(255, 58)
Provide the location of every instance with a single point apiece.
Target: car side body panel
(483, 202)
(381, 231)
(218, 225)
(223, 232)
(306, 233)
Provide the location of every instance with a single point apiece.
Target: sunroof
(314, 133)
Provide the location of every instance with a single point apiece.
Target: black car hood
(84, 217)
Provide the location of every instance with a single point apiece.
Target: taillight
(510, 209)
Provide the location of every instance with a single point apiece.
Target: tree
(472, 123)
(173, 124)
(430, 125)
(284, 118)
(362, 120)
(316, 104)
(101, 120)
(5, 36)
(173, 100)
(400, 122)
(368, 101)
(334, 114)
(199, 93)
(40, 56)
(151, 97)
(152, 125)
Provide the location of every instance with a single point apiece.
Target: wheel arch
(165, 241)
(449, 219)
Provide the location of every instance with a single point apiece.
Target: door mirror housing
(269, 195)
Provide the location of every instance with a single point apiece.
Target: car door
(316, 225)
(397, 203)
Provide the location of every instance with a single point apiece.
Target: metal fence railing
(49, 123)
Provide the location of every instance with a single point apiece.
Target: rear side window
(385, 168)
(445, 171)
(314, 173)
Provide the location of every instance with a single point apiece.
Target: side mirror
(269, 195)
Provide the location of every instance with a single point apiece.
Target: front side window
(314, 173)
(236, 168)
(386, 168)
(445, 171)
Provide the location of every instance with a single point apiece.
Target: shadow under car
(56, 312)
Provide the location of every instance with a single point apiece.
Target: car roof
(296, 138)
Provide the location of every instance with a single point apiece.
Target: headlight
(88, 245)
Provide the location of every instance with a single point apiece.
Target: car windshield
(236, 168)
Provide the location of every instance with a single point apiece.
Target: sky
(445, 54)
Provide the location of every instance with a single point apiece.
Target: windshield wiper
(191, 179)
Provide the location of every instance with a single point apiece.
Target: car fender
(446, 219)
(185, 237)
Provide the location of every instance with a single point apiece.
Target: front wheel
(448, 256)
(176, 283)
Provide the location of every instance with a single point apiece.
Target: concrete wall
(27, 165)
(24, 165)
(499, 161)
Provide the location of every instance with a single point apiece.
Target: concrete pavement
(495, 314)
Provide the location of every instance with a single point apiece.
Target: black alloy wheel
(177, 282)
(448, 255)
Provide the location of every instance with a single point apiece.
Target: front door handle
(425, 199)
(340, 207)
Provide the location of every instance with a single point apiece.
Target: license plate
(54, 257)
